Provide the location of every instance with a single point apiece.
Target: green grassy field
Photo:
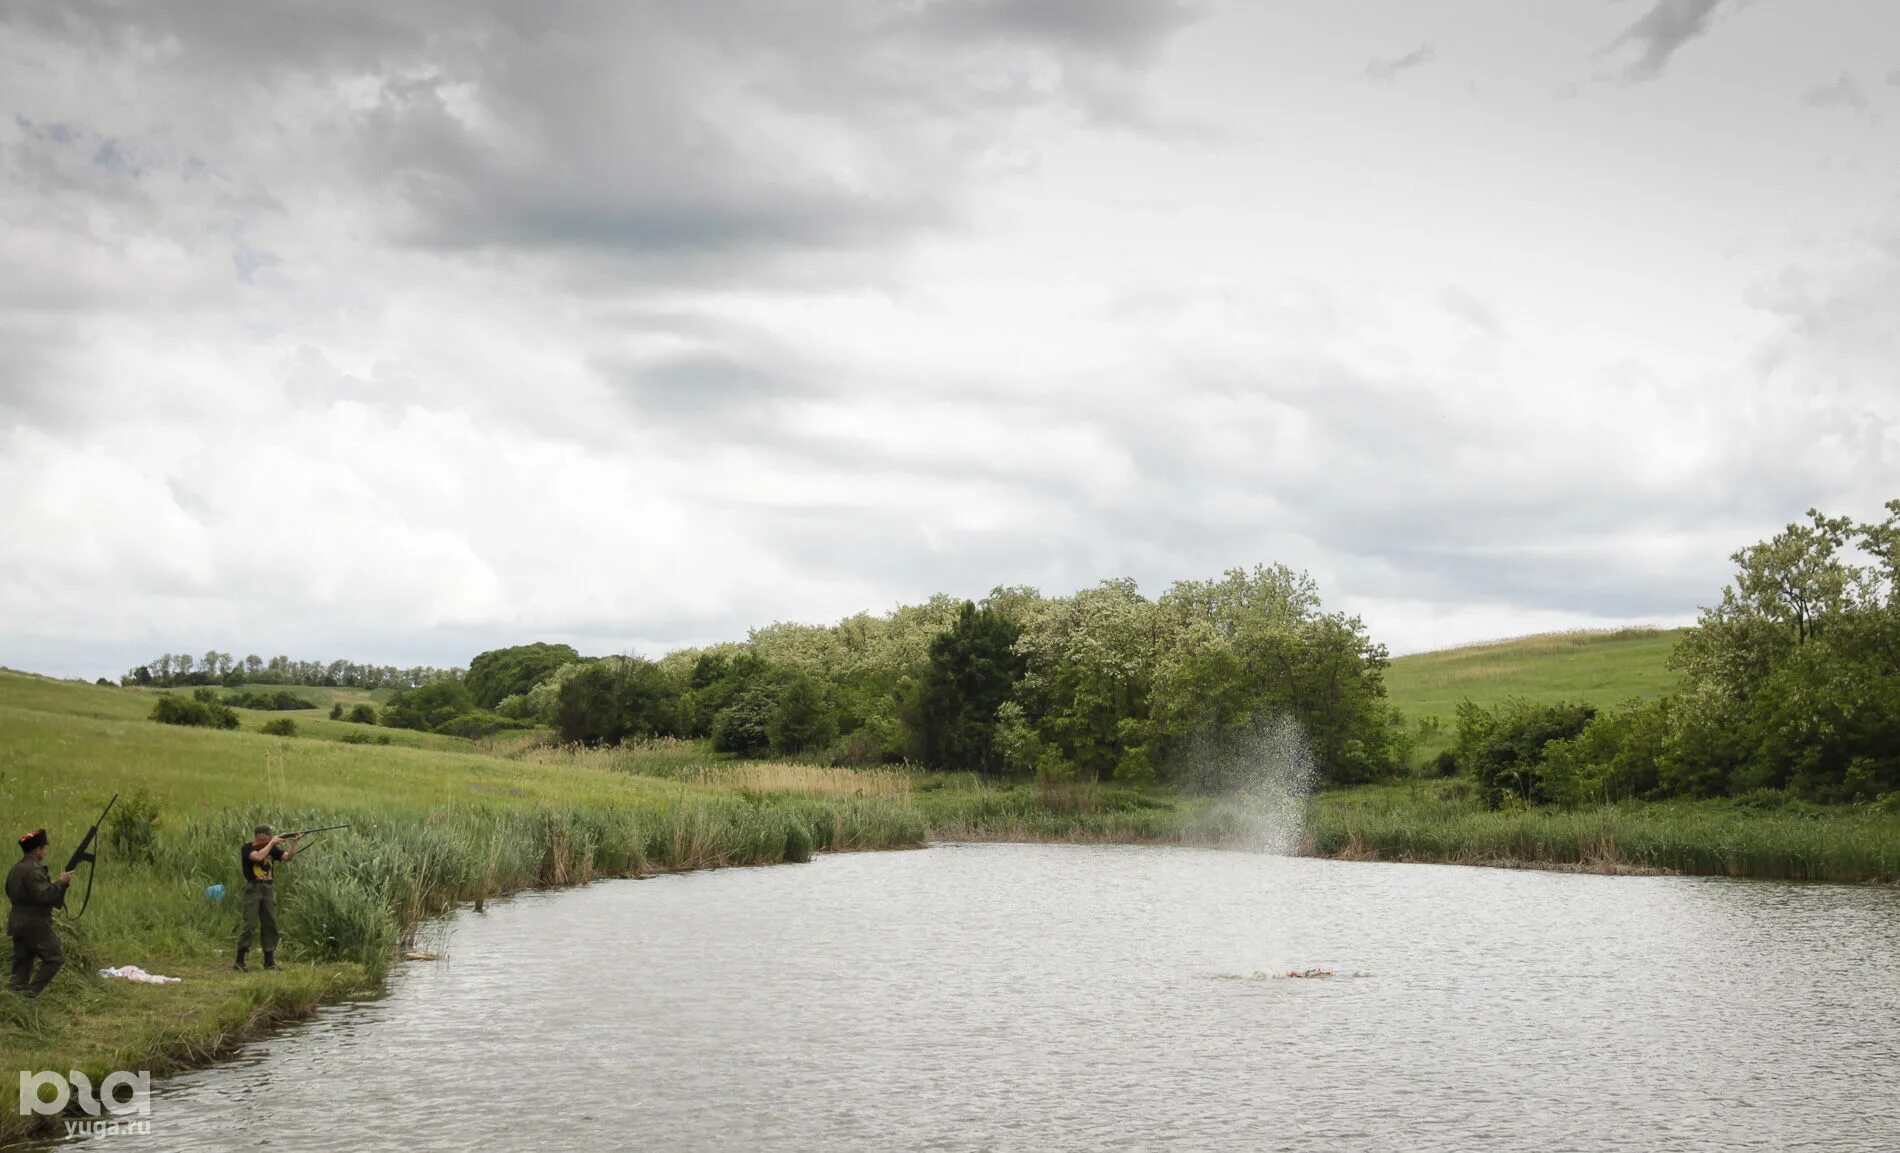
(437, 821)
(1598, 668)
(440, 820)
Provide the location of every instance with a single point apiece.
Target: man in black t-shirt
(258, 857)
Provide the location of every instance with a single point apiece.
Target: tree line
(1790, 685)
(1105, 684)
(182, 670)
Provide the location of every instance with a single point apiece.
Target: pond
(1067, 997)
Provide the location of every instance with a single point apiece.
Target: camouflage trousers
(30, 943)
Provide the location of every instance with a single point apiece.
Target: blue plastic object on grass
(215, 893)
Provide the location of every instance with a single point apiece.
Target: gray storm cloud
(401, 330)
(1387, 69)
(1661, 32)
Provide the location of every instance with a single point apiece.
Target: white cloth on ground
(134, 973)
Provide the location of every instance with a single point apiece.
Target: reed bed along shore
(437, 824)
(351, 900)
(430, 828)
(1436, 821)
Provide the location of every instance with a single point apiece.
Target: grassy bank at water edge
(432, 826)
(1441, 821)
(439, 820)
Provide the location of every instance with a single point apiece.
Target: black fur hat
(32, 840)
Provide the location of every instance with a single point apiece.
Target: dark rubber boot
(240, 966)
(270, 959)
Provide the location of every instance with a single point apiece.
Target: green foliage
(715, 678)
(973, 669)
(1016, 740)
(501, 673)
(1090, 661)
(1255, 646)
(1617, 756)
(132, 828)
(173, 670)
(428, 708)
(800, 720)
(1504, 749)
(279, 727)
(607, 701)
(360, 714)
(171, 710)
(478, 724)
(744, 726)
(798, 842)
(282, 700)
(336, 710)
(1792, 680)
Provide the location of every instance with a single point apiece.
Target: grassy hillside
(437, 820)
(440, 820)
(1599, 668)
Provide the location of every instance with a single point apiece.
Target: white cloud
(424, 331)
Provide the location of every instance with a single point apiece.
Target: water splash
(1266, 769)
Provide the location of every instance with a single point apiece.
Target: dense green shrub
(974, 666)
(800, 721)
(279, 727)
(502, 673)
(171, 710)
(1504, 749)
(478, 724)
(132, 829)
(744, 726)
(428, 707)
(610, 700)
(280, 701)
(1618, 755)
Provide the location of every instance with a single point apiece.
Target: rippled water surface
(1060, 997)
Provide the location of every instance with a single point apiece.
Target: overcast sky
(398, 330)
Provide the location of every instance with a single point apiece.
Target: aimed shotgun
(84, 854)
(307, 832)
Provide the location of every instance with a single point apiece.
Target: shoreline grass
(1437, 821)
(432, 827)
(465, 821)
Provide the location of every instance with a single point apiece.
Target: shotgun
(307, 832)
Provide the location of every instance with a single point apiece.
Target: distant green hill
(1598, 668)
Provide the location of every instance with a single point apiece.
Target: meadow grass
(431, 826)
(439, 820)
(1596, 668)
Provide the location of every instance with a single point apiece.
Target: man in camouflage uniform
(34, 896)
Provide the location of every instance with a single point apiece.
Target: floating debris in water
(419, 957)
(1293, 974)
